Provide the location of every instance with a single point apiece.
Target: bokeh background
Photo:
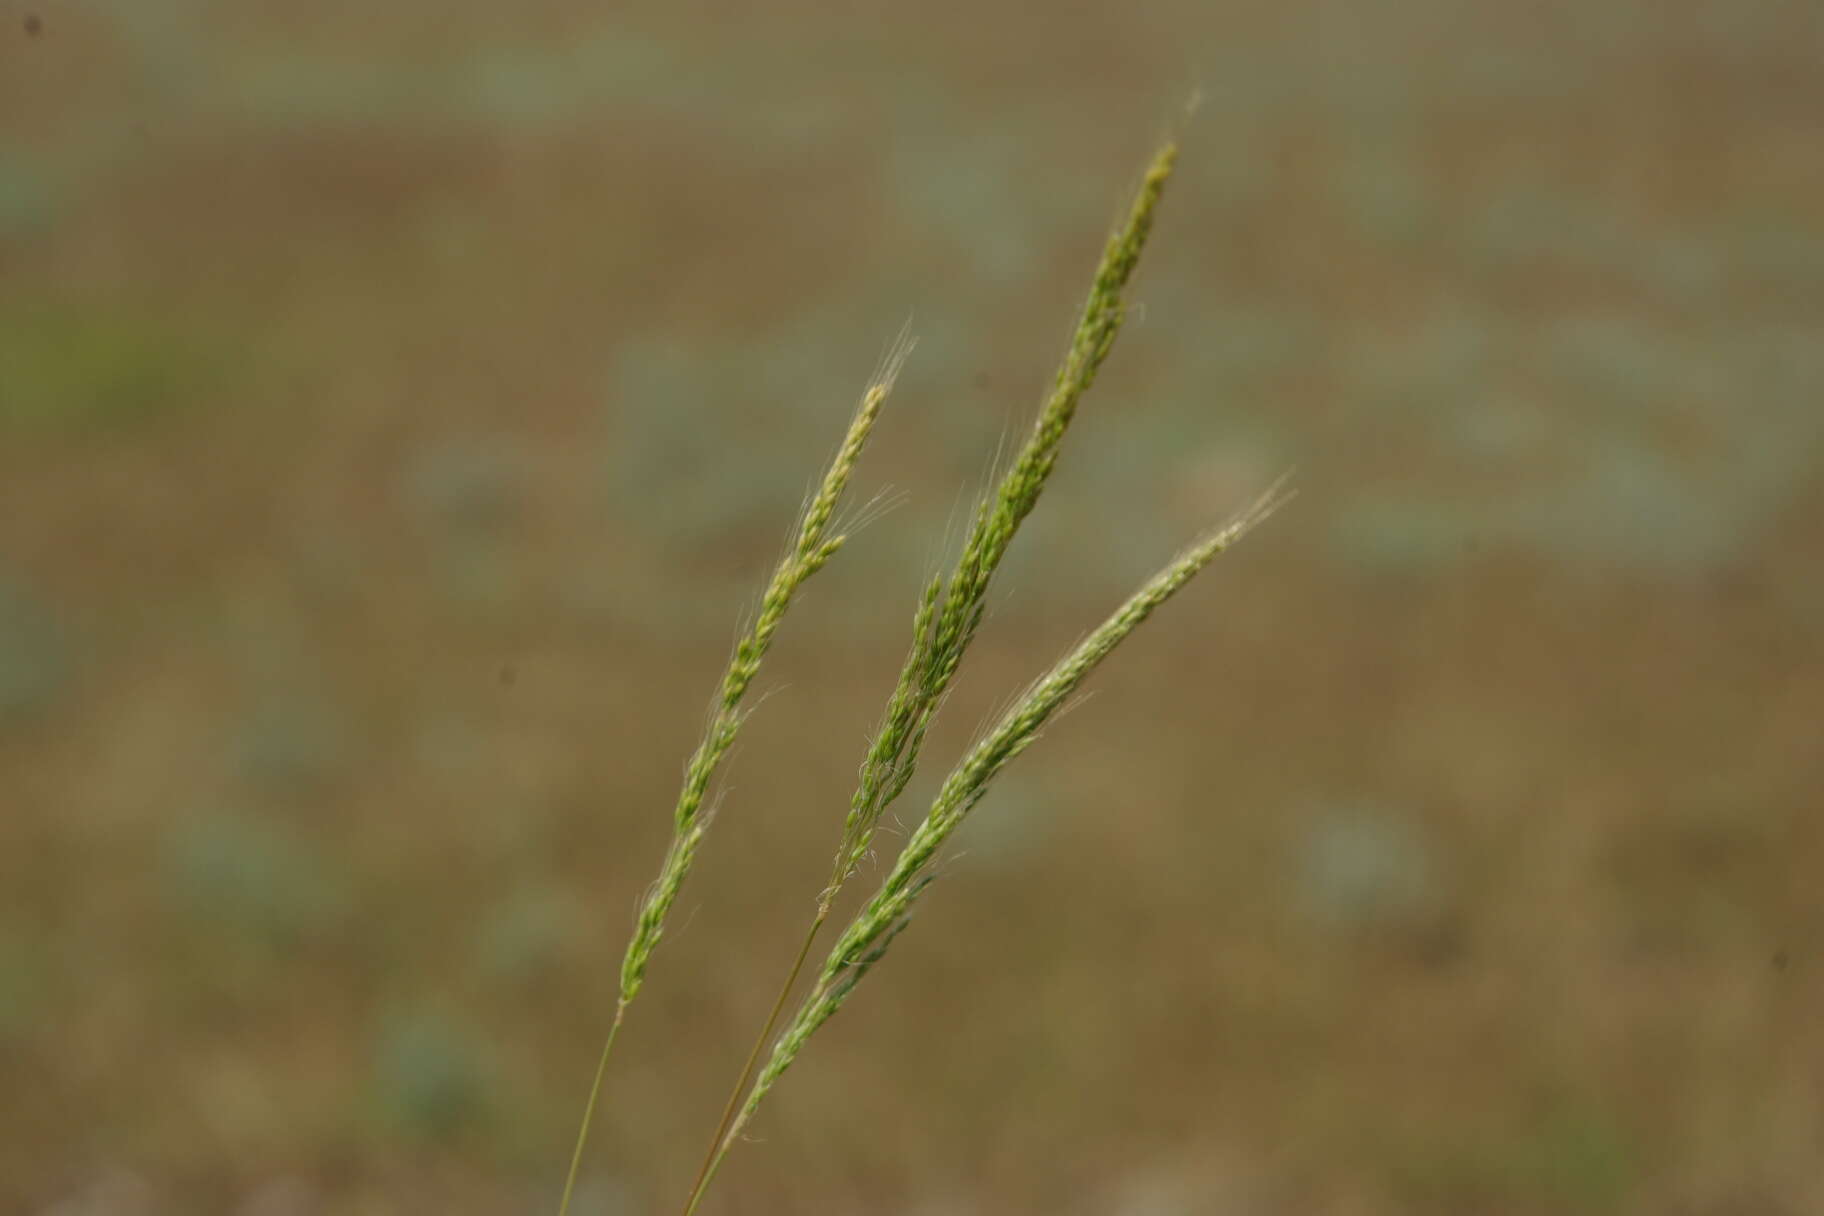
(400, 403)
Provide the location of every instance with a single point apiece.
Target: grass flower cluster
(949, 613)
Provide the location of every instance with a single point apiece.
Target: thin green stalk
(811, 547)
(754, 1054)
(595, 1090)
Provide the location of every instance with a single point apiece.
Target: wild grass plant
(949, 613)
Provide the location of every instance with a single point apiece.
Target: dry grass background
(398, 404)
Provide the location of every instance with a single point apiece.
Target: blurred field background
(399, 404)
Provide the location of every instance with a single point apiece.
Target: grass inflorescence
(949, 612)
(811, 547)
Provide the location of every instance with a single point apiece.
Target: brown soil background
(399, 404)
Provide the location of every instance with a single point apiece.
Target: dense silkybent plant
(949, 612)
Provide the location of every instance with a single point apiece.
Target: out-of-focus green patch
(1531, 224)
(63, 367)
(34, 665)
(430, 1079)
(970, 202)
(1596, 437)
(255, 879)
(24, 984)
(706, 445)
(1572, 1160)
(973, 188)
(526, 935)
(1362, 867)
(293, 742)
(26, 197)
(604, 1196)
(504, 85)
(1578, 1157)
(1384, 193)
(1404, 535)
(467, 491)
(1025, 817)
(1785, 252)
(466, 483)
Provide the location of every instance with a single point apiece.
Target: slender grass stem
(595, 1092)
(717, 1142)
